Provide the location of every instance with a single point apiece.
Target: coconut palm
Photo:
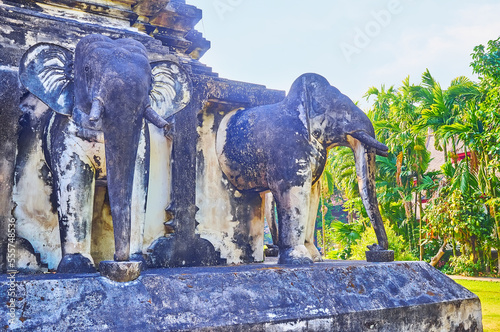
(440, 107)
(395, 114)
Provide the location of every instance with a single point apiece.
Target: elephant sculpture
(283, 148)
(100, 97)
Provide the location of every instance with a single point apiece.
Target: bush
(396, 243)
(464, 265)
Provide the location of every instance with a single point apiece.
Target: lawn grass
(489, 294)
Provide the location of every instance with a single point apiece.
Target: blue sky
(355, 44)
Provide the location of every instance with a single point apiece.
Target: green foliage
(346, 235)
(464, 265)
(463, 206)
(396, 243)
(342, 172)
(486, 60)
(468, 217)
(339, 237)
(331, 212)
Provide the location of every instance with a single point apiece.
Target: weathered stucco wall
(35, 210)
(160, 185)
(35, 207)
(215, 221)
(184, 174)
(212, 223)
(9, 126)
(238, 236)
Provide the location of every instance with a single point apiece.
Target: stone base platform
(327, 296)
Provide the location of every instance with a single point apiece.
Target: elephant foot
(75, 263)
(315, 254)
(120, 271)
(139, 257)
(298, 255)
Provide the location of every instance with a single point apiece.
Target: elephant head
(334, 120)
(107, 88)
(283, 147)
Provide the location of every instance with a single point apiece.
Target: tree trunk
(440, 253)
(408, 213)
(445, 151)
(419, 225)
(323, 247)
(475, 257)
(421, 213)
(495, 215)
(420, 240)
(412, 231)
(454, 244)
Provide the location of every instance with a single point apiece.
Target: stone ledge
(379, 255)
(333, 295)
(120, 271)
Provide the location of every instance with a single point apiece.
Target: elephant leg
(139, 197)
(293, 208)
(311, 223)
(74, 179)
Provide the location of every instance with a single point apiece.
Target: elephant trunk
(96, 110)
(365, 170)
(381, 149)
(121, 139)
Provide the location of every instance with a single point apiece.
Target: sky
(354, 44)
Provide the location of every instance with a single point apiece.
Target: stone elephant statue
(283, 148)
(100, 96)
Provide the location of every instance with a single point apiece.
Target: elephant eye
(86, 68)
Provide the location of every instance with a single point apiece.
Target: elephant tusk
(154, 117)
(96, 110)
(363, 137)
(365, 171)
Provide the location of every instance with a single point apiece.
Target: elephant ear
(171, 88)
(46, 71)
(305, 112)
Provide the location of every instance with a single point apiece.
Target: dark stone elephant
(100, 97)
(283, 148)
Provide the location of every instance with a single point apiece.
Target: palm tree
(477, 175)
(395, 114)
(440, 107)
(486, 63)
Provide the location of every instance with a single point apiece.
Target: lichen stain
(214, 209)
(139, 192)
(160, 185)
(36, 220)
(35, 213)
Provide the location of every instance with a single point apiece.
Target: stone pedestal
(328, 296)
(120, 271)
(379, 255)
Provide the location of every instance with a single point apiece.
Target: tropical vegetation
(448, 216)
